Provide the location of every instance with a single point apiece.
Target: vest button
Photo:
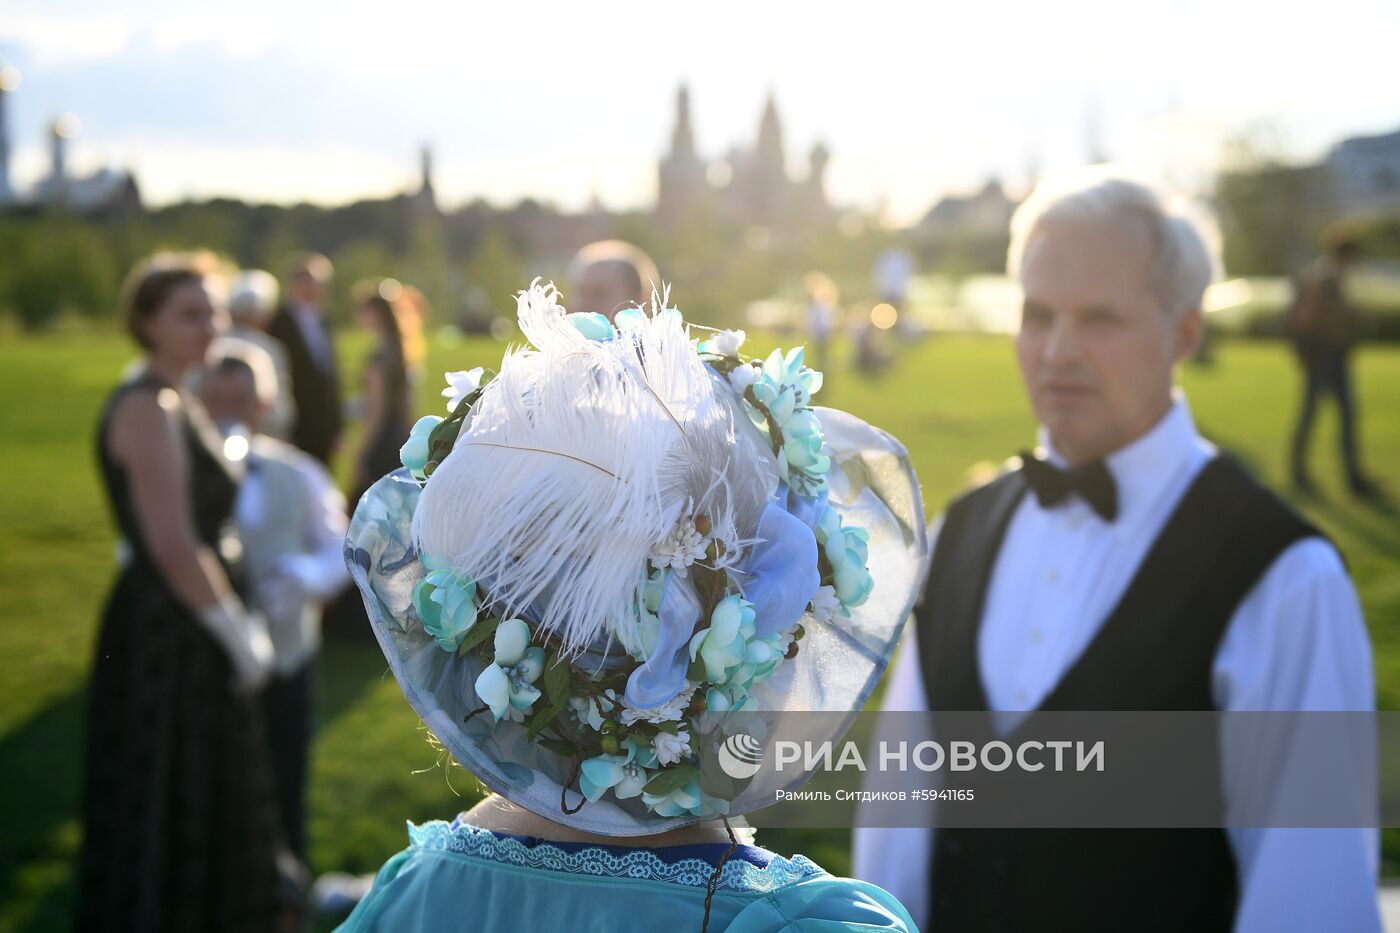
(955, 847)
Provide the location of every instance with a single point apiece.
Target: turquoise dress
(454, 877)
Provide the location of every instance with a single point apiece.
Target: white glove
(244, 638)
(281, 598)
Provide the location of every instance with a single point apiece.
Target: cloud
(50, 40)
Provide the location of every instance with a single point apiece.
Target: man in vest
(1126, 565)
(291, 519)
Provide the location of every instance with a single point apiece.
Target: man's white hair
(227, 352)
(1186, 242)
(252, 295)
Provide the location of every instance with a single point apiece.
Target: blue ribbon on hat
(780, 578)
(662, 677)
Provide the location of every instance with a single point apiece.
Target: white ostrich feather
(579, 458)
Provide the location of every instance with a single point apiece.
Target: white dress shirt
(313, 332)
(291, 518)
(1297, 641)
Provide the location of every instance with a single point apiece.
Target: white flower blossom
(681, 548)
(741, 377)
(671, 748)
(726, 343)
(667, 712)
(460, 385)
(825, 604)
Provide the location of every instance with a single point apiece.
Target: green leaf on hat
(672, 779)
(478, 633)
(557, 680)
(714, 781)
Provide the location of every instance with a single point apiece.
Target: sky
(328, 101)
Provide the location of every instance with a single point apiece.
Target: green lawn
(955, 401)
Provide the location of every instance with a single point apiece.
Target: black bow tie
(1052, 485)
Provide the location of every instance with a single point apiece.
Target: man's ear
(1187, 333)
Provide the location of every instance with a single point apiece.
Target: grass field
(955, 401)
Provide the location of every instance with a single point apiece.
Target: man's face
(306, 289)
(231, 398)
(602, 287)
(1096, 347)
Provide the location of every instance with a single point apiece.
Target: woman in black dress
(393, 314)
(181, 830)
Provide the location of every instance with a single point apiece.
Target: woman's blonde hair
(400, 310)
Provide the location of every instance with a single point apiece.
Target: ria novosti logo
(740, 756)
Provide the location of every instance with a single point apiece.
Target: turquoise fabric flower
(446, 602)
(629, 319)
(731, 698)
(625, 775)
(847, 550)
(733, 654)
(414, 452)
(785, 387)
(852, 578)
(761, 657)
(791, 370)
(686, 800)
(505, 685)
(592, 325)
(724, 645)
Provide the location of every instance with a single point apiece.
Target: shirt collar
(1143, 469)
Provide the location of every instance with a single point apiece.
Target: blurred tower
(759, 192)
(681, 174)
(816, 205)
(425, 201)
(53, 190)
(767, 172)
(9, 82)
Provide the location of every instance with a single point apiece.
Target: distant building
(106, 192)
(749, 187)
(989, 210)
(1365, 174)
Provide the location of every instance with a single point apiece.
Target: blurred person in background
(181, 827)
(252, 299)
(1125, 564)
(291, 518)
(301, 327)
(392, 313)
(609, 275)
(1325, 326)
(822, 298)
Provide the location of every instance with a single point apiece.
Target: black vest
(1154, 652)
